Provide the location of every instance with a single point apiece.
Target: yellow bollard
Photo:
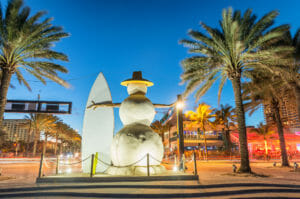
(95, 163)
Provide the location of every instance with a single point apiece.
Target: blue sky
(119, 37)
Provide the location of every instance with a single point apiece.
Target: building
(258, 146)
(289, 115)
(193, 138)
(16, 131)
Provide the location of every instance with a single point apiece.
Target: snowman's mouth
(140, 137)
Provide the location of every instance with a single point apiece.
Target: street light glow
(179, 105)
(175, 168)
(69, 170)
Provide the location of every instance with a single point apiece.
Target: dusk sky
(119, 37)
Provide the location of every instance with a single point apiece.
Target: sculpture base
(136, 170)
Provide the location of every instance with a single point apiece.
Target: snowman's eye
(129, 134)
(142, 137)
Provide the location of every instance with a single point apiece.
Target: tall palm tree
(263, 130)
(263, 89)
(160, 128)
(225, 117)
(232, 52)
(202, 119)
(25, 45)
(40, 123)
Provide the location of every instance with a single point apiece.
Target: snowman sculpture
(136, 139)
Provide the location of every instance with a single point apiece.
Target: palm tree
(65, 134)
(49, 130)
(202, 119)
(60, 129)
(160, 128)
(40, 123)
(263, 89)
(233, 52)
(75, 139)
(70, 138)
(25, 45)
(225, 117)
(263, 130)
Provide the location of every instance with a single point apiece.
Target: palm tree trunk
(55, 148)
(28, 141)
(35, 143)
(245, 165)
(228, 141)
(5, 81)
(45, 144)
(266, 146)
(284, 157)
(34, 148)
(61, 148)
(266, 149)
(205, 144)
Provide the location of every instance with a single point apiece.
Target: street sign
(38, 106)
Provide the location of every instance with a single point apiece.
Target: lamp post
(179, 107)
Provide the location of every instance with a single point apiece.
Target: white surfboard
(98, 126)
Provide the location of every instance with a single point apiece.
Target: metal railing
(44, 163)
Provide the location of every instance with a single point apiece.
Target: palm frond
(26, 41)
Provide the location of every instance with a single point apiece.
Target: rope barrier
(160, 161)
(98, 166)
(76, 162)
(103, 162)
(45, 163)
(155, 158)
(124, 165)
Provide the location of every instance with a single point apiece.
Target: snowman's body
(136, 139)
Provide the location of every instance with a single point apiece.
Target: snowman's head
(133, 88)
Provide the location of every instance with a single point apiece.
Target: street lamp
(179, 107)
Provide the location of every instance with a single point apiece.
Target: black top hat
(136, 78)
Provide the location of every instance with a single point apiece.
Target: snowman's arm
(163, 105)
(103, 104)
